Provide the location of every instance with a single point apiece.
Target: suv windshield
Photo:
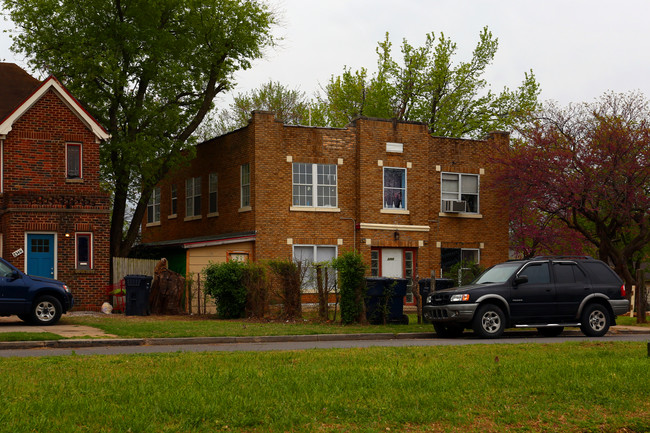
(498, 273)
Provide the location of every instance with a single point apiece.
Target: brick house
(54, 218)
(410, 203)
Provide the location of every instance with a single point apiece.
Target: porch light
(396, 235)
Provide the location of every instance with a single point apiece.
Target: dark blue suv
(37, 300)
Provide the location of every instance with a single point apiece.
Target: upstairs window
(73, 160)
(153, 207)
(460, 192)
(394, 188)
(174, 200)
(213, 193)
(245, 175)
(193, 197)
(314, 185)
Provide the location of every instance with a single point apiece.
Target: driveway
(14, 324)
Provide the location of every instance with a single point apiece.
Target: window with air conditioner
(459, 193)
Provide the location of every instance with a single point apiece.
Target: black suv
(547, 293)
(36, 300)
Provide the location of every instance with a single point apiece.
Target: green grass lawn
(569, 387)
(210, 326)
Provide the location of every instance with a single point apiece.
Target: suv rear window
(568, 273)
(601, 273)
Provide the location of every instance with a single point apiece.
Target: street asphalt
(75, 337)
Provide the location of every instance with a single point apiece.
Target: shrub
(257, 289)
(224, 282)
(289, 275)
(352, 286)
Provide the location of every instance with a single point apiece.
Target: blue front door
(40, 255)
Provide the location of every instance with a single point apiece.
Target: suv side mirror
(521, 280)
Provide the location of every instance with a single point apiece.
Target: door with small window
(40, 255)
(394, 263)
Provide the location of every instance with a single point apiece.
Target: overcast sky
(578, 49)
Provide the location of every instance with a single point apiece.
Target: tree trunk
(641, 297)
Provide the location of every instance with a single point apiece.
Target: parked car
(547, 293)
(37, 300)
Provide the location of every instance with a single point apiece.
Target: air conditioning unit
(454, 206)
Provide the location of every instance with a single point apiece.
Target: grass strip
(29, 336)
(210, 326)
(569, 387)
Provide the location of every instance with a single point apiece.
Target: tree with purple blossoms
(578, 178)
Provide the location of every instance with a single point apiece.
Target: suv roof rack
(574, 257)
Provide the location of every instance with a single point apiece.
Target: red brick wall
(38, 198)
(356, 151)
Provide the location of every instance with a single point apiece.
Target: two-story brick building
(54, 218)
(410, 203)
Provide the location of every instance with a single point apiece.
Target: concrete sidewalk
(14, 324)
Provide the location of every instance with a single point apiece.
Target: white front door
(392, 264)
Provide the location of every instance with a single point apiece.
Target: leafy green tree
(426, 86)
(351, 271)
(290, 106)
(148, 71)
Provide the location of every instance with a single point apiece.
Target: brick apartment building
(410, 203)
(54, 219)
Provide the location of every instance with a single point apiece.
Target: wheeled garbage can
(137, 288)
(385, 296)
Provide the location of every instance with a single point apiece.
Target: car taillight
(623, 290)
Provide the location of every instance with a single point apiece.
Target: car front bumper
(449, 313)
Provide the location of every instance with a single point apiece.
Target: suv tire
(489, 321)
(46, 311)
(595, 320)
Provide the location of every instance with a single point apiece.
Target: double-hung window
(193, 197)
(394, 188)
(153, 207)
(460, 192)
(73, 160)
(307, 255)
(213, 193)
(314, 185)
(245, 176)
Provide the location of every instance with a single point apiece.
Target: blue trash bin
(377, 300)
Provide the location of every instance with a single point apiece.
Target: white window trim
(476, 214)
(151, 206)
(243, 207)
(91, 252)
(192, 217)
(315, 248)
(383, 191)
(314, 186)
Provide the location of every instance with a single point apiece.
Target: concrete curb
(105, 342)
